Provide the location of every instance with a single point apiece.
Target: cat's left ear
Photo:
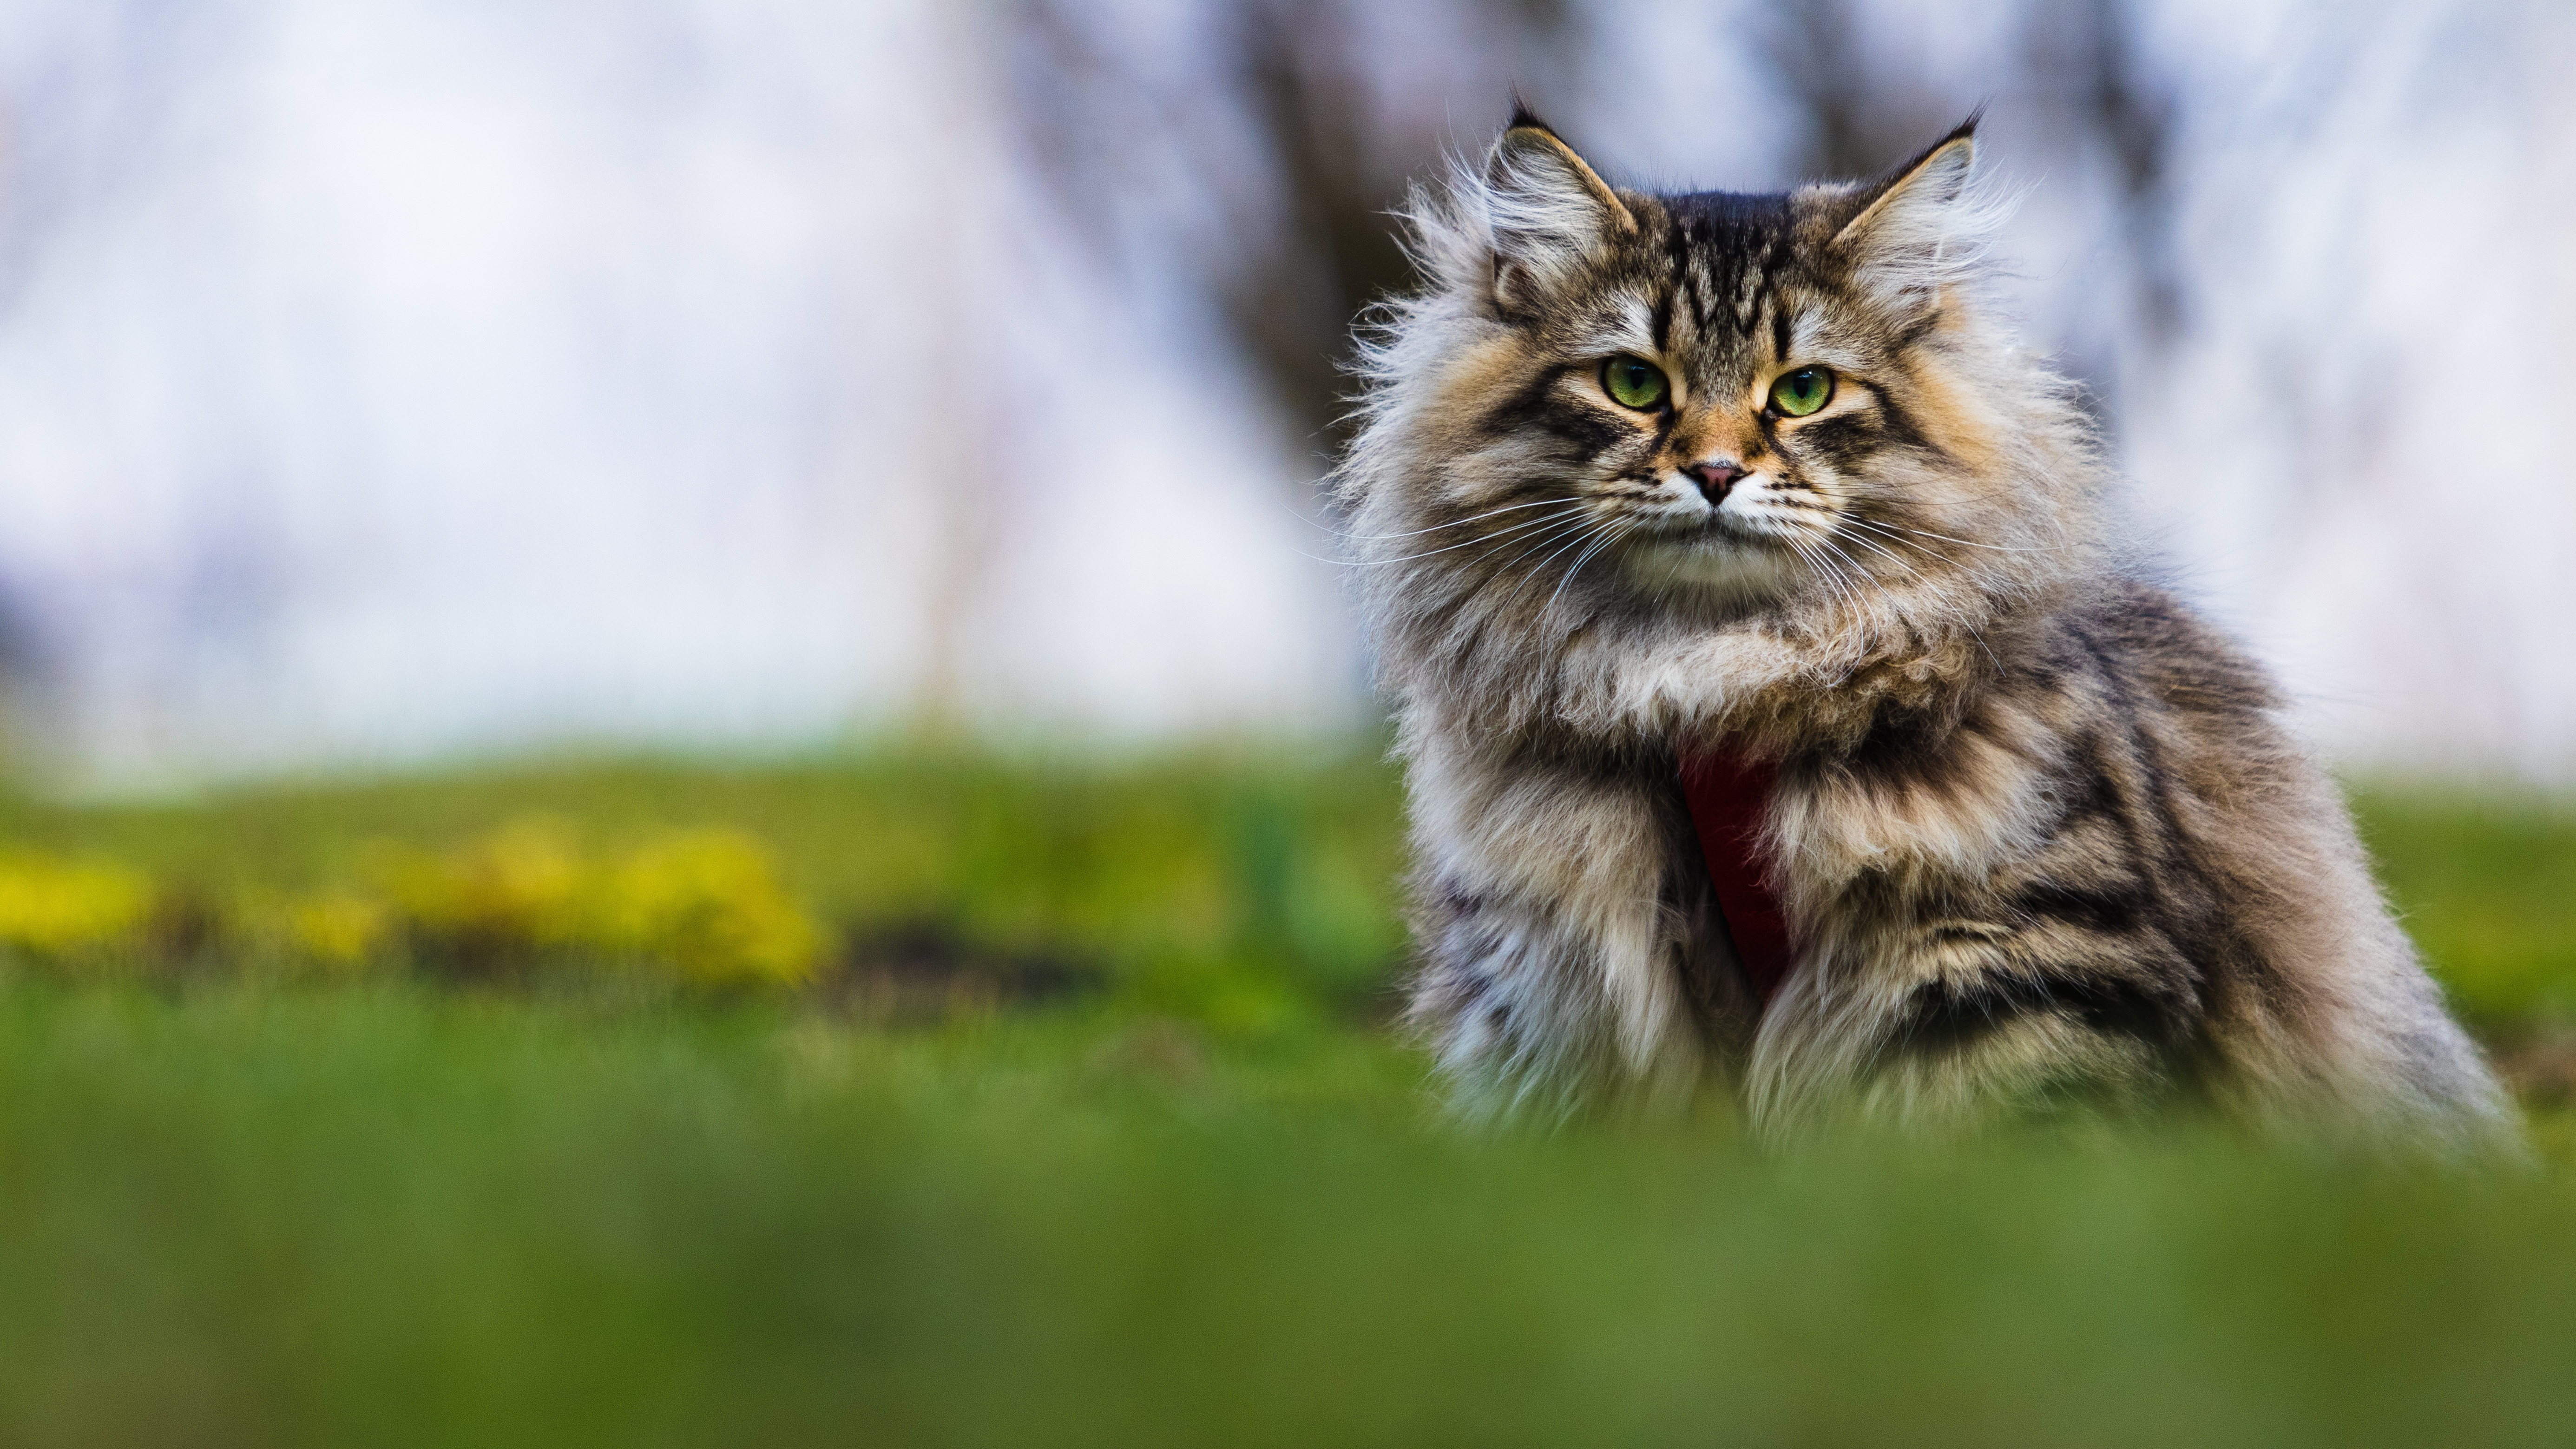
(1551, 212)
(1912, 229)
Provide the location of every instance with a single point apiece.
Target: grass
(1201, 884)
(1200, 1203)
(2487, 884)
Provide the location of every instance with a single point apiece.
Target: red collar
(1730, 803)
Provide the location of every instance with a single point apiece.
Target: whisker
(1974, 632)
(1824, 568)
(1980, 636)
(1796, 542)
(1453, 523)
(1855, 583)
(1520, 527)
(1885, 531)
(1611, 535)
(1849, 586)
(1561, 545)
(1962, 542)
(1539, 568)
(1881, 531)
(1558, 530)
(1865, 541)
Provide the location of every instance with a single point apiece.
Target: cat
(1762, 490)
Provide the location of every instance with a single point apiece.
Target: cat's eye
(1802, 392)
(1633, 382)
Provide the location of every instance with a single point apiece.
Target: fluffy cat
(1643, 479)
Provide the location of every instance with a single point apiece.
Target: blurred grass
(384, 1214)
(2486, 882)
(1173, 873)
(1202, 1203)
(1210, 885)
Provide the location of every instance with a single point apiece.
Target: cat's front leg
(1558, 942)
(1964, 1022)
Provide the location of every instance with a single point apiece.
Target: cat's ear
(1550, 211)
(1915, 228)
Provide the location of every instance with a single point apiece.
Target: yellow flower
(340, 929)
(521, 885)
(58, 908)
(709, 902)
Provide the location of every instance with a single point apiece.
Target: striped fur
(2043, 840)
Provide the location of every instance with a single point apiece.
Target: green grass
(2487, 884)
(389, 1215)
(599, 1211)
(1211, 883)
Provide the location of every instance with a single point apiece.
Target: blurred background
(387, 381)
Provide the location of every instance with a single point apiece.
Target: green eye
(1634, 382)
(1802, 392)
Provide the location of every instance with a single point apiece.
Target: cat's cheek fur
(1965, 427)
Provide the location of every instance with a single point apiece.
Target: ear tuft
(1548, 209)
(1923, 225)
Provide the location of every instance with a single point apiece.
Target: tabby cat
(1761, 485)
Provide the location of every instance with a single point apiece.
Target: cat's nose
(1715, 478)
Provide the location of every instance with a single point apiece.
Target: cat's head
(1730, 402)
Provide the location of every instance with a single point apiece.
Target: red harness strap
(1730, 796)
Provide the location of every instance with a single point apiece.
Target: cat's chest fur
(1877, 858)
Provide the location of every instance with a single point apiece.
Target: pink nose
(1715, 478)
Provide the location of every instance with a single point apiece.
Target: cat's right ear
(1551, 212)
(1915, 228)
